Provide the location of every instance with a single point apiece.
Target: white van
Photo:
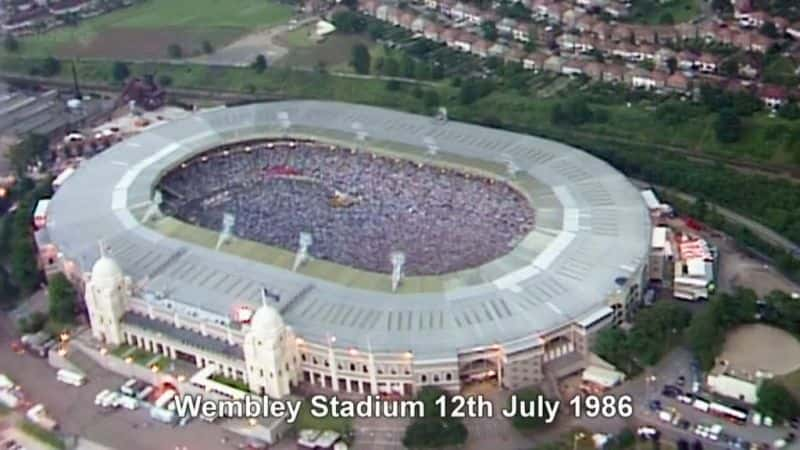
(70, 377)
(101, 396)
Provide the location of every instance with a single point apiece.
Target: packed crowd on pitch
(359, 207)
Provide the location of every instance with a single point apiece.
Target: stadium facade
(174, 289)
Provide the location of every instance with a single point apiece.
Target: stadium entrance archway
(481, 373)
(557, 347)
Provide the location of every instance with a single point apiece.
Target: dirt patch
(744, 349)
(135, 43)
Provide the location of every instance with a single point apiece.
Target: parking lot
(669, 372)
(74, 409)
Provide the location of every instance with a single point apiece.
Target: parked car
(671, 391)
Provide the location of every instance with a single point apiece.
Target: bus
(732, 414)
(70, 377)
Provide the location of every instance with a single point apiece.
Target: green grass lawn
(154, 24)
(792, 382)
(334, 51)
(48, 438)
(652, 11)
(307, 421)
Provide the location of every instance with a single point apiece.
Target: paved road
(74, 407)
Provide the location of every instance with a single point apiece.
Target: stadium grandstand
(328, 244)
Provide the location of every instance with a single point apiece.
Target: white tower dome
(106, 269)
(269, 354)
(267, 322)
(106, 299)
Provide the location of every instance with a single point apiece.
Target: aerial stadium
(351, 248)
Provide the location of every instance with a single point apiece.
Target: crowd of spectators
(358, 207)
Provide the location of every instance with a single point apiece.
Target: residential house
(534, 61)
(463, 41)
(433, 32)
(418, 25)
(662, 57)
(406, 19)
(773, 96)
(521, 33)
(602, 31)
(23, 20)
(393, 15)
(480, 47)
(643, 34)
(794, 30)
(585, 24)
(506, 26)
(616, 9)
(368, 7)
(570, 17)
(613, 73)
(514, 55)
(677, 82)
(594, 70)
(553, 64)
(459, 11)
(449, 36)
(686, 60)
(475, 15)
(382, 12)
(498, 50)
(432, 4)
(572, 67)
(647, 80)
(707, 63)
(61, 7)
(621, 33)
(687, 31)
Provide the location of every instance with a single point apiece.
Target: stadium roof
(592, 228)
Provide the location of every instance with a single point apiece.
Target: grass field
(146, 29)
(652, 11)
(333, 51)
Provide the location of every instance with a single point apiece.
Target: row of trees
(654, 332)
(706, 338)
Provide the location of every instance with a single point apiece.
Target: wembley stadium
(397, 249)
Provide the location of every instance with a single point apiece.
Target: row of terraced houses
(584, 33)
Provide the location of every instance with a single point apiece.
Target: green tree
(259, 64)
(50, 67)
(730, 67)
(434, 430)
(775, 401)
(32, 323)
(8, 292)
(120, 71)
(524, 397)
(10, 43)
(61, 297)
(207, 47)
(24, 269)
(360, 59)
(728, 126)
(489, 30)
(666, 19)
(165, 80)
(431, 99)
(32, 148)
(174, 51)
(769, 29)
